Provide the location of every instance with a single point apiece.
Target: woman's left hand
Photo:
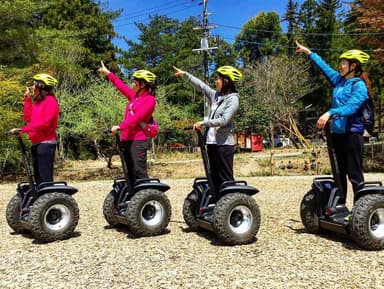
(323, 120)
(198, 125)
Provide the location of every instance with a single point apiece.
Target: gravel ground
(283, 256)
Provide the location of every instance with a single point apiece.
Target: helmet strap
(40, 96)
(350, 70)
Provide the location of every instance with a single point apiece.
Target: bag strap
(142, 124)
(211, 115)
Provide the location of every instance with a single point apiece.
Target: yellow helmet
(46, 79)
(231, 72)
(355, 54)
(144, 74)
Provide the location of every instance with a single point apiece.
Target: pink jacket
(42, 118)
(138, 110)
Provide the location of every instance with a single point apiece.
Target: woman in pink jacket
(41, 115)
(139, 110)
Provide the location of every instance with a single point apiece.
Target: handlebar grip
(15, 132)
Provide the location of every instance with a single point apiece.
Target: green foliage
(272, 90)
(260, 37)
(83, 20)
(10, 117)
(291, 16)
(173, 119)
(69, 38)
(87, 114)
(11, 99)
(62, 55)
(16, 38)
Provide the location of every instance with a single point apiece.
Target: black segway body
(143, 208)
(47, 210)
(229, 211)
(321, 209)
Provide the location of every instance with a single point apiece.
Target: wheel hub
(152, 213)
(376, 223)
(240, 219)
(57, 217)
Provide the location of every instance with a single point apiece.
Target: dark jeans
(135, 157)
(43, 157)
(349, 150)
(221, 162)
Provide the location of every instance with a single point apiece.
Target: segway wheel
(367, 222)
(190, 210)
(13, 215)
(148, 213)
(54, 216)
(308, 213)
(109, 210)
(236, 219)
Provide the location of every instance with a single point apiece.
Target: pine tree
(290, 16)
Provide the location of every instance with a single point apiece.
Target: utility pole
(204, 46)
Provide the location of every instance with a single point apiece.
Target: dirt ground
(282, 256)
(177, 165)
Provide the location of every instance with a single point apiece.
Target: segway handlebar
(199, 134)
(16, 132)
(108, 131)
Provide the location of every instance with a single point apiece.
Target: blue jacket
(347, 97)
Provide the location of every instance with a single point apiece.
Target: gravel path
(283, 256)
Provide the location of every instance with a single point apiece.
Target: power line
(144, 19)
(288, 46)
(155, 9)
(307, 33)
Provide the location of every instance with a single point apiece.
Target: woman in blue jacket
(351, 88)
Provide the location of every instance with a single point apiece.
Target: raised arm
(117, 82)
(197, 83)
(330, 74)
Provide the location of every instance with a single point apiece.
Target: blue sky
(228, 15)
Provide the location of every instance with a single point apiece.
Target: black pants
(221, 162)
(349, 150)
(135, 157)
(43, 157)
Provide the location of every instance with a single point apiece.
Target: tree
(85, 116)
(16, 38)
(261, 36)
(11, 98)
(290, 16)
(83, 20)
(327, 25)
(275, 85)
(307, 19)
(369, 24)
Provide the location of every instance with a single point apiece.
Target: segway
(321, 211)
(229, 211)
(47, 210)
(143, 208)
